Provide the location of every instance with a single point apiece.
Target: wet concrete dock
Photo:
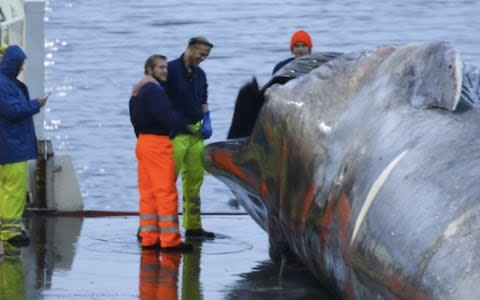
(99, 258)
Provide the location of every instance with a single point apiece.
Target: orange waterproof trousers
(158, 192)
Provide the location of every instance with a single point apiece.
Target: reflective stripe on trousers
(13, 189)
(158, 192)
(188, 153)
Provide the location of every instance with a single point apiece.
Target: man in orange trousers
(154, 120)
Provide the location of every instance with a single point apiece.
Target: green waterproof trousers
(188, 154)
(13, 189)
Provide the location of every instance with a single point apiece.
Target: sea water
(95, 51)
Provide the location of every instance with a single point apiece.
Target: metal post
(35, 49)
(34, 77)
(44, 193)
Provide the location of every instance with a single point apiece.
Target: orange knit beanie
(301, 36)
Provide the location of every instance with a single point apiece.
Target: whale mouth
(219, 157)
(224, 161)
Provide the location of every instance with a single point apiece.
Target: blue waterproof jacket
(17, 132)
(151, 112)
(187, 90)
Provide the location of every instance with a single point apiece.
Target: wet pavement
(99, 258)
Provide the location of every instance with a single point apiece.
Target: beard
(160, 78)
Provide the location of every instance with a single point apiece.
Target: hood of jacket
(12, 59)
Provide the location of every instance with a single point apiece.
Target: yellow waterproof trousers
(13, 190)
(188, 154)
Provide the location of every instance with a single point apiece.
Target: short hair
(150, 62)
(199, 40)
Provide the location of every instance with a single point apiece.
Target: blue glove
(206, 129)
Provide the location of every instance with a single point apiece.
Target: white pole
(35, 50)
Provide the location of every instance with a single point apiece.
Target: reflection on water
(25, 272)
(99, 258)
(268, 282)
(159, 274)
(160, 278)
(12, 278)
(53, 242)
(191, 284)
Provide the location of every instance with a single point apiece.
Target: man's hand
(42, 101)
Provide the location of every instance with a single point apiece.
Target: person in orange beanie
(300, 45)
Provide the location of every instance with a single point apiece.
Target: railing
(12, 17)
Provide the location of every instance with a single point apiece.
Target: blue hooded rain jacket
(17, 132)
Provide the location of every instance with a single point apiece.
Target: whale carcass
(366, 169)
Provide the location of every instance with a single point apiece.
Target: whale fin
(437, 78)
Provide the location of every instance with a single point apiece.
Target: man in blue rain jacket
(17, 144)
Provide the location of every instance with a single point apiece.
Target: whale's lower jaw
(219, 161)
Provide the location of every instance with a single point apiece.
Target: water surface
(96, 50)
